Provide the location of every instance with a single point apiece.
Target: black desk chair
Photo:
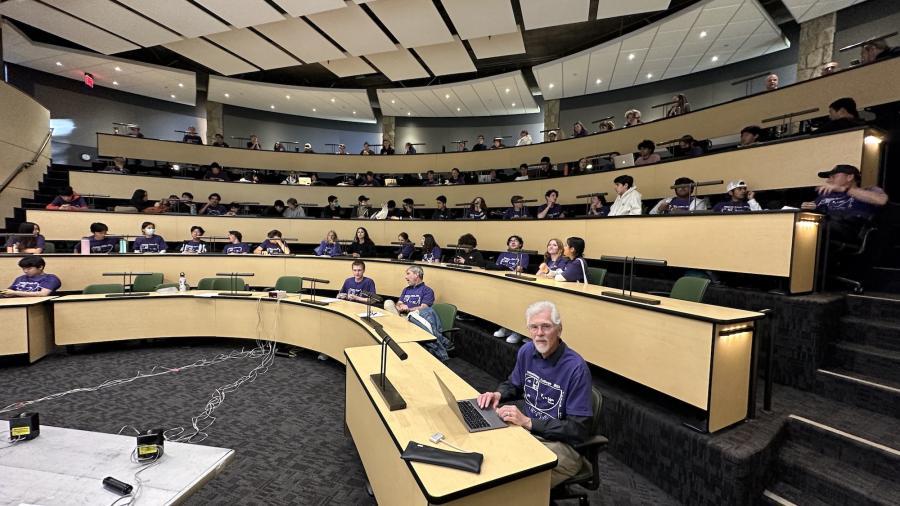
(590, 450)
(851, 249)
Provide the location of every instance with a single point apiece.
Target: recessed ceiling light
(458, 109)
(287, 97)
(513, 104)
(393, 101)
(598, 81)
(181, 85)
(272, 106)
(409, 114)
(115, 83)
(631, 56)
(118, 69)
(715, 58)
(314, 109)
(227, 95)
(550, 86)
(59, 64)
(447, 96)
(507, 90)
(172, 95)
(702, 34)
(649, 76)
(354, 112)
(332, 100)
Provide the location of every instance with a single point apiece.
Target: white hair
(540, 307)
(418, 271)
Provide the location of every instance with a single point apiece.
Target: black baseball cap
(840, 169)
(362, 198)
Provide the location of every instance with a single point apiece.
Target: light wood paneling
(40, 332)
(15, 330)
(730, 377)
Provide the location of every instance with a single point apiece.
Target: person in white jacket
(524, 138)
(682, 202)
(628, 200)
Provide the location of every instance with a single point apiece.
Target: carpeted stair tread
(873, 361)
(843, 388)
(790, 494)
(874, 306)
(880, 333)
(848, 448)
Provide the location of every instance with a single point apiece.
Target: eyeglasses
(546, 327)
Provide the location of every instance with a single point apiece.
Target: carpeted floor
(286, 427)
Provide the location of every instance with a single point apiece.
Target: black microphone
(589, 195)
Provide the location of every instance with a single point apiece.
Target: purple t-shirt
(575, 270)
(328, 250)
(216, 210)
(842, 203)
(559, 263)
(555, 387)
(240, 248)
(37, 283)
(105, 245)
(417, 295)
(433, 256)
(193, 246)
(554, 212)
(79, 202)
(730, 206)
(406, 251)
(152, 244)
(13, 239)
(271, 247)
(513, 260)
(684, 204)
(351, 287)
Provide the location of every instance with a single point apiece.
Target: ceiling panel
(353, 29)
(574, 73)
(398, 65)
(117, 19)
(473, 104)
(481, 97)
(253, 48)
(493, 46)
(446, 59)
(179, 15)
(299, 8)
(481, 18)
(348, 66)
(59, 23)
(541, 13)
(335, 104)
(301, 40)
(804, 10)
(211, 56)
(710, 33)
(244, 13)
(616, 8)
(428, 27)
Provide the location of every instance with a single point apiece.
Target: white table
(67, 466)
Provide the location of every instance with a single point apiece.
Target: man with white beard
(555, 383)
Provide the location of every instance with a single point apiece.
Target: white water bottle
(182, 283)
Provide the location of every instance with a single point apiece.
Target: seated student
(68, 200)
(606, 126)
(215, 173)
(477, 210)
(523, 173)
(273, 245)
(279, 147)
(293, 178)
(741, 201)
(219, 141)
(415, 296)
(369, 180)
(455, 177)
(628, 198)
(598, 206)
(514, 260)
(118, 167)
(276, 210)
(149, 242)
(877, 50)
(392, 212)
(547, 169)
(213, 206)
(467, 254)
(680, 106)
(498, 143)
(140, 200)
(329, 246)
(357, 285)
(362, 245)
(578, 130)
(253, 143)
(632, 118)
(682, 202)
(333, 209)
(234, 209)
(550, 209)
(362, 207)
(524, 138)
(194, 246)
(407, 247)
(552, 136)
(576, 268)
(236, 244)
(688, 146)
(846, 203)
(29, 240)
(479, 144)
(431, 252)
(431, 179)
(750, 135)
(99, 242)
(366, 150)
(307, 148)
(293, 209)
(408, 211)
(34, 282)
(554, 260)
(386, 148)
(187, 198)
(647, 157)
(442, 212)
(518, 209)
(561, 415)
(410, 149)
(842, 114)
(191, 137)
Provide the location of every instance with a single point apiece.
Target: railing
(25, 165)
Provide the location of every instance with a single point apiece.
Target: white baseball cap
(735, 184)
(307, 146)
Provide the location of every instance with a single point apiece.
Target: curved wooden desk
(784, 243)
(714, 121)
(697, 353)
(26, 327)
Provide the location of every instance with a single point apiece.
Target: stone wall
(816, 46)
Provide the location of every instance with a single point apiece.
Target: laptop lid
(626, 160)
(493, 421)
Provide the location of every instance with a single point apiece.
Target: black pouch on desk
(464, 461)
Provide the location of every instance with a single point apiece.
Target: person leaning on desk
(558, 398)
(34, 282)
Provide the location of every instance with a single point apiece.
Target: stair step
(874, 306)
(880, 333)
(832, 481)
(873, 394)
(873, 361)
(782, 494)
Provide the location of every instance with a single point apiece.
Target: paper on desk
(327, 299)
(375, 314)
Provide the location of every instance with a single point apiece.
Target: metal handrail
(24, 165)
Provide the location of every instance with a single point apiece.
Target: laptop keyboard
(472, 416)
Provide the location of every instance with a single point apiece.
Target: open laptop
(484, 178)
(624, 161)
(390, 181)
(304, 181)
(474, 418)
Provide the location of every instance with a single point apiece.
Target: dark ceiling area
(541, 45)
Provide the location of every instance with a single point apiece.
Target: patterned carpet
(286, 427)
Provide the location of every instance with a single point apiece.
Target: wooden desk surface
(23, 301)
(508, 453)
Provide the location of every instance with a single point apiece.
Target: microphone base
(632, 298)
(390, 394)
(316, 302)
(127, 294)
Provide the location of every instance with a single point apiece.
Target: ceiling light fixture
(702, 34)
(118, 69)
(393, 101)
(513, 104)
(354, 112)
(172, 95)
(59, 64)
(272, 106)
(181, 85)
(714, 59)
(287, 97)
(332, 100)
(115, 83)
(649, 76)
(227, 95)
(598, 81)
(409, 114)
(507, 90)
(550, 86)
(458, 109)
(631, 56)
(447, 96)
(314, 109)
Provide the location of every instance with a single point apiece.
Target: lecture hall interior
(450, 252)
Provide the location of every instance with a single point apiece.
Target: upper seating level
(715, 121)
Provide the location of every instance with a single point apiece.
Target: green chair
(596, 275)
(689, 288)
(290, 284)
(207, 284)
(49, 247)
(103, 288)
(147, 282)
(589, 476)
(446, 313)
(229, 284)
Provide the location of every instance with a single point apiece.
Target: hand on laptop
(511, 414)
(489, 400)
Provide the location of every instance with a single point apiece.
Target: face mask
(149, 231)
